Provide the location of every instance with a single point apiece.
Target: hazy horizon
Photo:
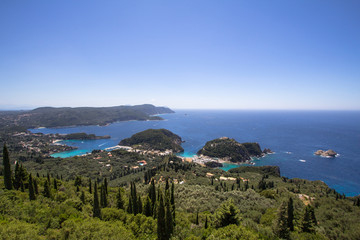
(245, 55)
(28, 108)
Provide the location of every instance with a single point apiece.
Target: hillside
(183, 200)
(231, 150)
(154, 139)
(66, 116)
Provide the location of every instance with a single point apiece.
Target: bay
(294, 136)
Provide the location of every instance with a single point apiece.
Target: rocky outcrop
(267, 151)
(328, 153)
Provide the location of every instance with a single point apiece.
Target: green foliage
(154, 139)
(7, 169)
(309, 220)
(120, 204)
(31, 189)
(227, 214)
(267, 170)
(83, 136)
(96, 206)
(161, 222)
(225, 148)
(58, 117)
(282, 228)
(290, 214)
(253, 149)
(251, 214)
(233, 232)
(46, 192)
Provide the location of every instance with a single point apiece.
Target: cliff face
(230, 149)
(154, 139)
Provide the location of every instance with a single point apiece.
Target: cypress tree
(161, 224)
(197, 218)
(119, 200)
(82, 197)
(134, 199)
(48, 177)
(168, 219)
(206, 222)
(31, 189)
(290, 216)
(106, 186)
(105, 202)
(152, 192)
(55, 184)
(17, 178)
(90, 187)
(139, 205)
(22, 186)
(35, 186)
(7, 168)
(46, 191)
(282, 228)
(167, 184)
(148, 207)
(309, 220)
(96, 207)
(130, 205)
(77, 181)
(172, 201)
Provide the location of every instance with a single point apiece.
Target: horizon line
(24, 108)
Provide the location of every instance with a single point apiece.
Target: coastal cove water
(294, 136)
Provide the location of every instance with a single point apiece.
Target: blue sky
(181, 54)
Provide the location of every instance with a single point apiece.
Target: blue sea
(294, 136)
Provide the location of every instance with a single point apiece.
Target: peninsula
(51, 117)
(154, 139)
(230, 150)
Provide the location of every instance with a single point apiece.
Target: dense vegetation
(169, 198)
(82, 136)
(58, 117)
(231, 150)
(154, 139)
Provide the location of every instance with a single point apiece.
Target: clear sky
(206, 54)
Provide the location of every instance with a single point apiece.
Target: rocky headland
(154, 139)
(228, 149)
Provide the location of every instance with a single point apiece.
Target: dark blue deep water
(292, 135)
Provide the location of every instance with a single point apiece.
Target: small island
(328, 153)
(154, 139)
(230, 150)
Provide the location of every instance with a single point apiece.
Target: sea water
(294, 136)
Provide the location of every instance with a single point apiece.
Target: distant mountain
(154, 139)
(66, 116)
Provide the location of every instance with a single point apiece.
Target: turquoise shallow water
(293, 135)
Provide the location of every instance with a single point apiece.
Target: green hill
(66, 116)
(154, 139)
(232, 150)
(184, 200)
